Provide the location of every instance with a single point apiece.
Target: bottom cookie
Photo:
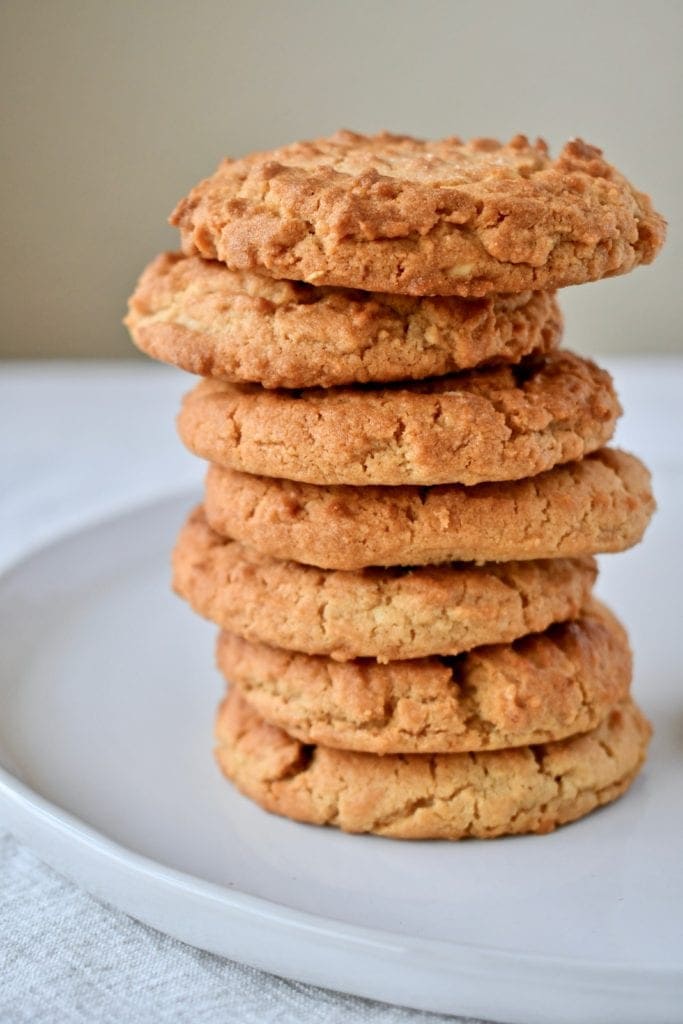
(439, 796)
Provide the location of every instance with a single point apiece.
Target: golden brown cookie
(395, 214)
(501, 423)
(243, 327)
(437, 796)
(600, 504)
(386, 614)
(540, 688)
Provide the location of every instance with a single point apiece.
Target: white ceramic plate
(108, 694)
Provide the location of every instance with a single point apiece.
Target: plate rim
(14, 792)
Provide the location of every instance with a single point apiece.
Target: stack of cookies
(408, 478)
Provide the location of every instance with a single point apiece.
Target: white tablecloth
(79, 441)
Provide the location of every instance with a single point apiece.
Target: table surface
(79, 442)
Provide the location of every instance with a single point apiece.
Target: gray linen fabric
(67, 959)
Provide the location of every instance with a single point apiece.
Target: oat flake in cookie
(392, 213)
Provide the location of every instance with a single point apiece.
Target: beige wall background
(112, 110)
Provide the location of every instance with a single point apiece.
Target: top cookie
(395, 214)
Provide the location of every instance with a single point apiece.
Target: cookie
(385, 614)
(540, 688)
(242, 327)
(600, 504)
(501, 423)
(438, 796)
(391, 213)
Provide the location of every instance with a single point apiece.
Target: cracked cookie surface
(500, 423)
(538, 689)
(396, 214)
(438, 796)
(600, 504)
(387, 614)
(242, 327)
